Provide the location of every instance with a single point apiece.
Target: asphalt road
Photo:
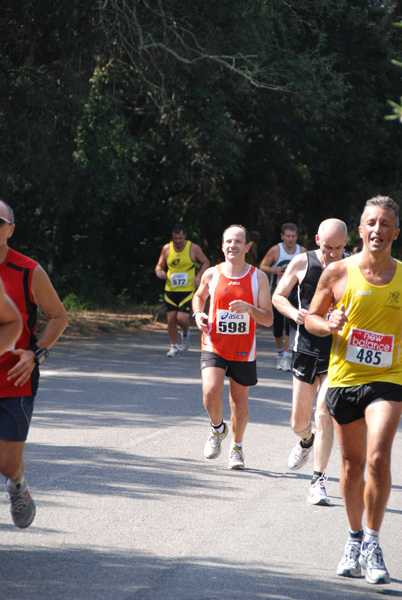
(128, 508)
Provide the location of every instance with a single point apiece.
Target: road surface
(128, 508)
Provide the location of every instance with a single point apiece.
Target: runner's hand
(201, 320)
(301, 316)
(21, 372)
(337, 319)
(239, 306)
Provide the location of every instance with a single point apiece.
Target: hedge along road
(128, 508)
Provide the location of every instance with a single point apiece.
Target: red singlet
(231, 335)
(16, 272)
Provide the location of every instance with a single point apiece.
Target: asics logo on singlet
(230, 315)
(234, 283)
(363, 293)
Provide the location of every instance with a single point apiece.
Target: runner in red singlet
(30, 288)
(239, 299)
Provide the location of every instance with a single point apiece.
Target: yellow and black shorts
(179, 301)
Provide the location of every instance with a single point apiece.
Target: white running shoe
(349, 565)
(286, 363)
(372, 560)
(173, 352)
(185, 341)
(236, 458)
(299, 456)
(318, 494)
(213, 446)
(279, 362)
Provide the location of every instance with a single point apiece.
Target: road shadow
(92, 574)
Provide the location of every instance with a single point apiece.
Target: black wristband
(41, 354)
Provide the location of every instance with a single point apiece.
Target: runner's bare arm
(47, 299)
(161, 264)
(293, 275)
(329, 291)
(270, 259)
(199, 257)
(199, 300)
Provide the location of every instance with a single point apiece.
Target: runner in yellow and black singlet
(177, 266)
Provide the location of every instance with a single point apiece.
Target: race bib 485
(370, 348)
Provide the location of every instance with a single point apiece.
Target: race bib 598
(232, 323)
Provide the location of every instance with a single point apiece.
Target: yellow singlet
(181, 270)
(369, 346)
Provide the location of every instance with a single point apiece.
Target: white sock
(219, 428)
(237, 444)
(371, 536)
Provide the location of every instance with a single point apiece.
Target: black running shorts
(347, 404)
(242, 372)
(15, 418)
(306, 368)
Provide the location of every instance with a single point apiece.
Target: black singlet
(301, 340)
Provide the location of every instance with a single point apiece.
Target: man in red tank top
(239, 299)
(29, 287)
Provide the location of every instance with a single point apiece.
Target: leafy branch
(154, 42)
(396, 108)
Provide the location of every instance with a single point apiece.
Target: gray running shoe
(372, 560)
(299, 456)
(236, 458)
(318, 494)
(22, 506)
(349, 565)
(213, 446)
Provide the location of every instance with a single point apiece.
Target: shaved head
(332, 227)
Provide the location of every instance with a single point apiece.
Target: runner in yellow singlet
(365, 374)
(177, 266)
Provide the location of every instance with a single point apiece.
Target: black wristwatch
(41, 354)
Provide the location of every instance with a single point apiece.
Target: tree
(121, 117)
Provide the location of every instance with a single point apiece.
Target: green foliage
(396, 108)
(72, 303)
(119, 119)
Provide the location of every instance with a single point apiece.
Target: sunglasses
(3, 220)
